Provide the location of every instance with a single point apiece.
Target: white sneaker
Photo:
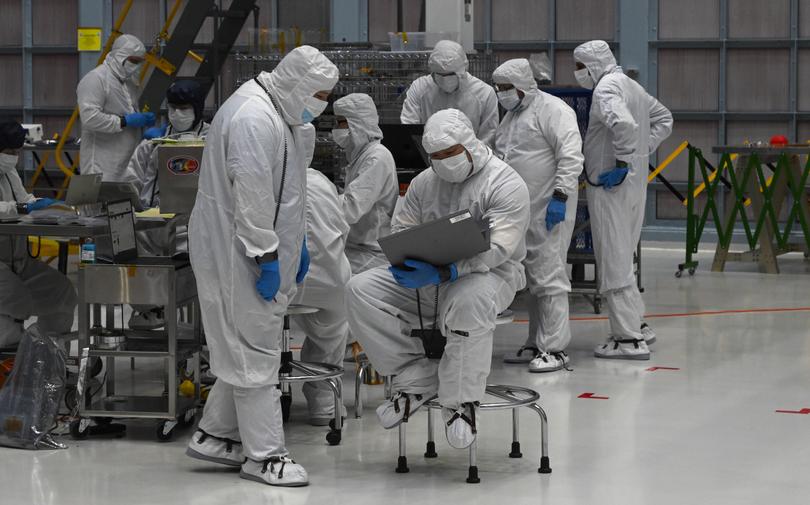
(623, 349)
(275, 471)
(549, 362)
(399, 408)
(148, 320)
(648, 333)
(524, 355)
(215, 449)
(461, 425)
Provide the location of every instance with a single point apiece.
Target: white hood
(449, 127)
(361, 113)
(124, 46)
(448, 56)
(597, 58)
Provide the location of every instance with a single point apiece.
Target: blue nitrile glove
(155, 132)
(420, 274)
(139, 119)
(43, 203)
(613, 178)
(269, 280)
(555, 213)
(303, 266)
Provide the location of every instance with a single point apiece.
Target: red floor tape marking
(801, 412)
(592, 396)
(654, 368)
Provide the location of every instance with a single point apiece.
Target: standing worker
(248, 250)
(108, 108)
(539, 137)
(626, 125)
(462, 299)
(449, 85)
(27, 287)
(371, 188)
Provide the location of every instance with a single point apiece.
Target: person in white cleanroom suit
(382, 304)
(449, 85)
(539, 138)
(248, 250)
(28, 287)
(108, 108)
(626, 125)
(371, 187)
(185, 102)
(329, 271)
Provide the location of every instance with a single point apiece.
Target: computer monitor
(122, 231)
(405, 143)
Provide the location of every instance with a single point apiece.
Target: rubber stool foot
(472, 475)
(430, 450)
(515, 450)
(402, 465)
(545, 465)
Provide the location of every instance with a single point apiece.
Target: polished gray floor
(707, 433)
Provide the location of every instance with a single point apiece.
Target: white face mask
(341, 137)
(8, 162)
(584, 78)
(446, 83)
(509, 99)
(313, 107)
(181, 119)
(131, 69)
(453, 169)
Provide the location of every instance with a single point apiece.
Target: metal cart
(169, 284)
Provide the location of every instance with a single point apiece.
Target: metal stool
(512, 397)
(364, 367)
(308, 372)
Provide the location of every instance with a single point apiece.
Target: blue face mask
(307, 116)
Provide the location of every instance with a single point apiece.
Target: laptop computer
(178, 176)
(121, 222)
(440, 242)
(83, 190)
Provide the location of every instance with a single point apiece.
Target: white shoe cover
(147, 320)
(623, 349)
(275, 471)
(400, 407)
(648, 333)
(458, 426)
(549, 362)
(216, 450)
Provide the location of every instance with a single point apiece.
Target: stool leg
(336, 425)
(285, 370)
(358, 400)
(545, 462)
(430, 448)
(472, 473)
(402, 460)
(387, 386)
(515, 435)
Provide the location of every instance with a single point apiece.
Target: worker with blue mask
(185, 102)
(626, 125)
(450, 85)
(28, 287)
(469, 295)
(371, 188)
(248, 251)
(108, 108)
(539, 137)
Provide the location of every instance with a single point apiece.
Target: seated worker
(329, 271)
(371, 187)
(28, 287)
(384, 305)
(449, 85)
(185, 101)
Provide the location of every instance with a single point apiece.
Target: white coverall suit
(28, 287)
(475, 98)
(382, 312)
(104, 95)
(371, 188)
(540, 139)
(232, 224)
(626, 124)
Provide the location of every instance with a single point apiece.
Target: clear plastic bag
(30, 399)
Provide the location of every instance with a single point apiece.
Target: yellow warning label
(89, 39)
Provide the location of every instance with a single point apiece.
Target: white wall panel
(758, 79)
(586, 19)
(688, 19)
(688, 79)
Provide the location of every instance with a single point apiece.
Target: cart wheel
(679, 274)
(692, 271)
(96, 366)
(165, 430)
(286, 401)
(78, 429)
(71, 398)
(333, 437)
